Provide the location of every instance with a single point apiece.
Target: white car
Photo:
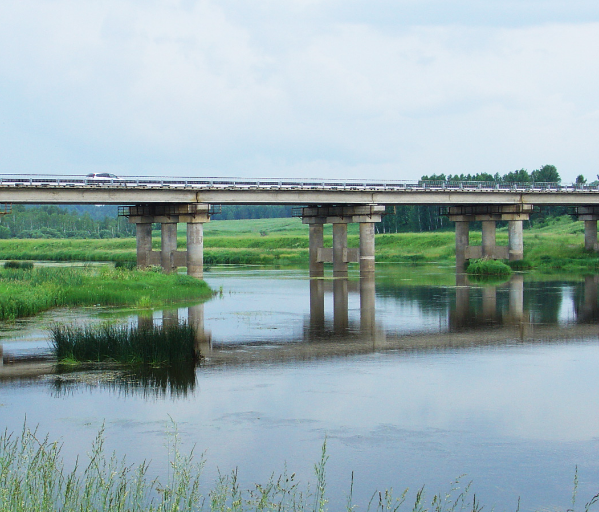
(102, 177)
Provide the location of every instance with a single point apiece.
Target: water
(413, 379)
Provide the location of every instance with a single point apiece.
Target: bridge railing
(7, 180)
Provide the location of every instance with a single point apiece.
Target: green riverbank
(27, 292)
(557, 245)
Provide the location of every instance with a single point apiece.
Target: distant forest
(89, 221)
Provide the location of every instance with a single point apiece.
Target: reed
(156, 345)
(34, 477)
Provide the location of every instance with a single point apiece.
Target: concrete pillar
(143, 233)
(195, 318)
(462, 240)
(145, 321)
(515, 240)
(316, 242)
(195, 249)
(366, 248)
(168, 234)
(462, 302)
(489, 302)
(170, 317)
(488, 245)
(339, 250)
(367, 302)
(590, 234)
(516, 298)
(317, 305)
(340, 304)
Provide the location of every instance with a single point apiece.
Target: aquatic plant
(485, 267)
(147, 344)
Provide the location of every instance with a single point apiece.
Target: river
(416, 378)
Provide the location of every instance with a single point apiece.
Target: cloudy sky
(386, 89)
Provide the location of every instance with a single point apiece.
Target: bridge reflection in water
(472, 314)
(462, 316)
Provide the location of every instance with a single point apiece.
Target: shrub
(23, 265)
(488, 267)
(520, 265)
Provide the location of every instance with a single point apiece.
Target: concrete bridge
(338, 202)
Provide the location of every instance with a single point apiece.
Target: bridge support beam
(515, 240)
(366, 248)
(195, 249)
(488, 238)
(340, 250)
(590, 215)
(340, 255)
(316, 245)
(168, 216)
(488, 215)
(168, 246)
(590, 235)
(143, 234)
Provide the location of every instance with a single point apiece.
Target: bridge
(146, 200)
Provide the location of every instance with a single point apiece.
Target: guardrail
(289, 184)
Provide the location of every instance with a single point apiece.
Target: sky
(360, 89)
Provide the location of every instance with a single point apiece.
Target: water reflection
(298, 319)
(146, 381)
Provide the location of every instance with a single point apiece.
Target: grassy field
(27, 292)
(556, 246)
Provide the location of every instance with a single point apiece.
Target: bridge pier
(515, 240)
(168, 216)
(590, 215)
(143, 234)
(168, 245)
(488, 215)
(340, 255)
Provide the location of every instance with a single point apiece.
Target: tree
(580, 180)
(546, 174)
(520, 176)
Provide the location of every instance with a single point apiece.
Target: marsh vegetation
(147, 344)
(25, 292)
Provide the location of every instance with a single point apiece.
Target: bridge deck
(65, 190)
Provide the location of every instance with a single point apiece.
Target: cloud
(310, 87)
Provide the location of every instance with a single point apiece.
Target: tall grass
(27, 292)
(34, 477)
(168, 344)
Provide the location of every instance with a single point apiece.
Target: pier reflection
(468, 313)
(318, 326)
(341, 316)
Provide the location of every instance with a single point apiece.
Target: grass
(27, 292)
(155, 345)
(34, 477)
(554, 246)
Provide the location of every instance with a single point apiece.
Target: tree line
(50, 221)
(420, 218)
